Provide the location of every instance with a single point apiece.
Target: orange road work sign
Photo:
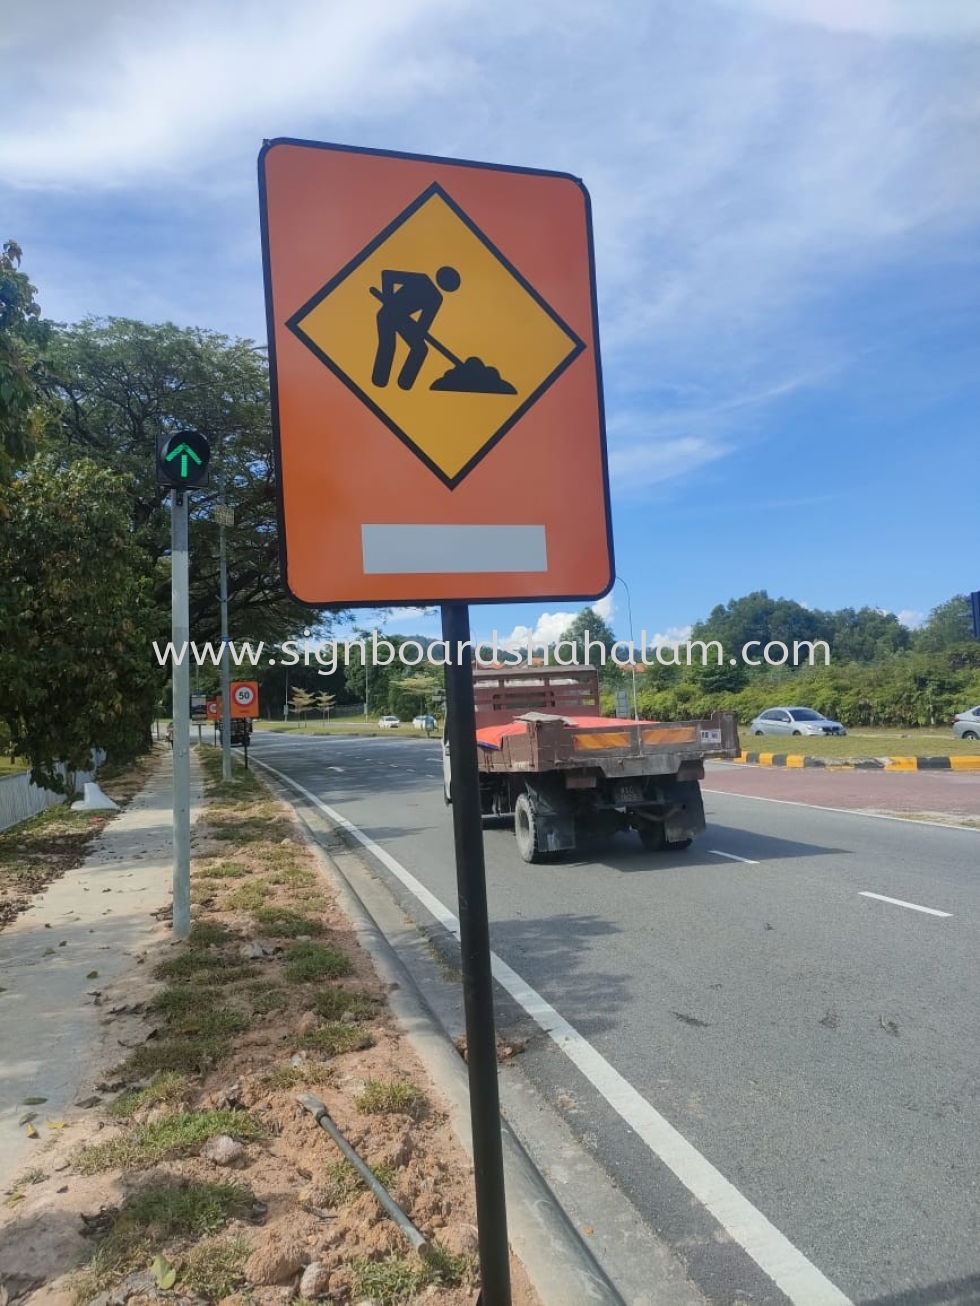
(437, 393)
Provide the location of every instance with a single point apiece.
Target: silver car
(966, 725)
(794, 721)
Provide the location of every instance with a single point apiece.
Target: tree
(301, 701)
(24, 338)
(416, 692)
(600, 639)
(324, 702)
(122, 383)
(948, 624)
(75, 615)
(865, 635)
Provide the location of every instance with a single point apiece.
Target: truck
(567, 774)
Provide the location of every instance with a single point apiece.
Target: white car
(425, 723)
(966, 725)
(389, 723)
(794, 721)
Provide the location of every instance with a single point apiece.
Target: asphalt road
(819, 1047)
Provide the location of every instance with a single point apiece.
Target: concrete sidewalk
(95, 918)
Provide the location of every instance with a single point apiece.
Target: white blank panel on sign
(403, 550)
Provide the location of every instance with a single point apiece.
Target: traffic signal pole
(225, 676)
(181, 696)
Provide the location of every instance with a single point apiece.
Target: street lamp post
(224, 516)
(629, 615)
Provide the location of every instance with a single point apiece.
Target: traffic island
(914, 763)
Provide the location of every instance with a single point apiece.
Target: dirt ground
(188, 1171)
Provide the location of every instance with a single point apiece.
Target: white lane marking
(844, 811)
(900, 902)
(771, 1250)
(716, 852)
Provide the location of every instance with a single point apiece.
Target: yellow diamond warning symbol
(438, 334)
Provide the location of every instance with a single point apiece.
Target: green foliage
(75, 607)
(24, 341)
(416, 693)
(121, 384)
(948, 626)
(571, 645)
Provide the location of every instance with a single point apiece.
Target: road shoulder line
(801, 1281)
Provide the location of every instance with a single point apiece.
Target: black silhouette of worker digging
(409, 304)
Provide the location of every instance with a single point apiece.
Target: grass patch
(147, 1144)
(265, 1000)
(164, 1089)
(257, 828)
(335, 1039)
(215, 1268)
(396, 1279)
(209, 934)
(249, 896)
(114, 1258)
(285, 924)
(314, 961)
(164, 1211)
(210, 967)
(392, 1097)
(186, 1210)
(185, 1056)
(285, 1077)
(342, 1004)
(223, 871)
(342, 1183)
(294, 877)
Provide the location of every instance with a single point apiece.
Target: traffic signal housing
(182, 460)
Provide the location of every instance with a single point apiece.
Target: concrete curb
(799, 761)
(561, 1266)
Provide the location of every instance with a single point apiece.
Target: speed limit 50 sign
(244, 698)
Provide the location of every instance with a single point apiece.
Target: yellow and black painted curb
(799, 761)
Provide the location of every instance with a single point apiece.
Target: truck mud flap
(685, 815)
(554, 817)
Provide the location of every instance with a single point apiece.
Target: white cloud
(932, 18)
(748, 160)
(143, 92)
(911, 618)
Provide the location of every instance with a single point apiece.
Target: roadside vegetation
(216, 1182)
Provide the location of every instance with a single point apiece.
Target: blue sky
(786, 197)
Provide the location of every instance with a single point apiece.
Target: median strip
(794, 761)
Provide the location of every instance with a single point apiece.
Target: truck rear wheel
(526, 830)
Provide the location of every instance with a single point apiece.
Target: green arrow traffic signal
(185, 452)
(182, 460)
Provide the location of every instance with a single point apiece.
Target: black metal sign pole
(474, 929)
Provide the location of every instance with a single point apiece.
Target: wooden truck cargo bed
(538, 742)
